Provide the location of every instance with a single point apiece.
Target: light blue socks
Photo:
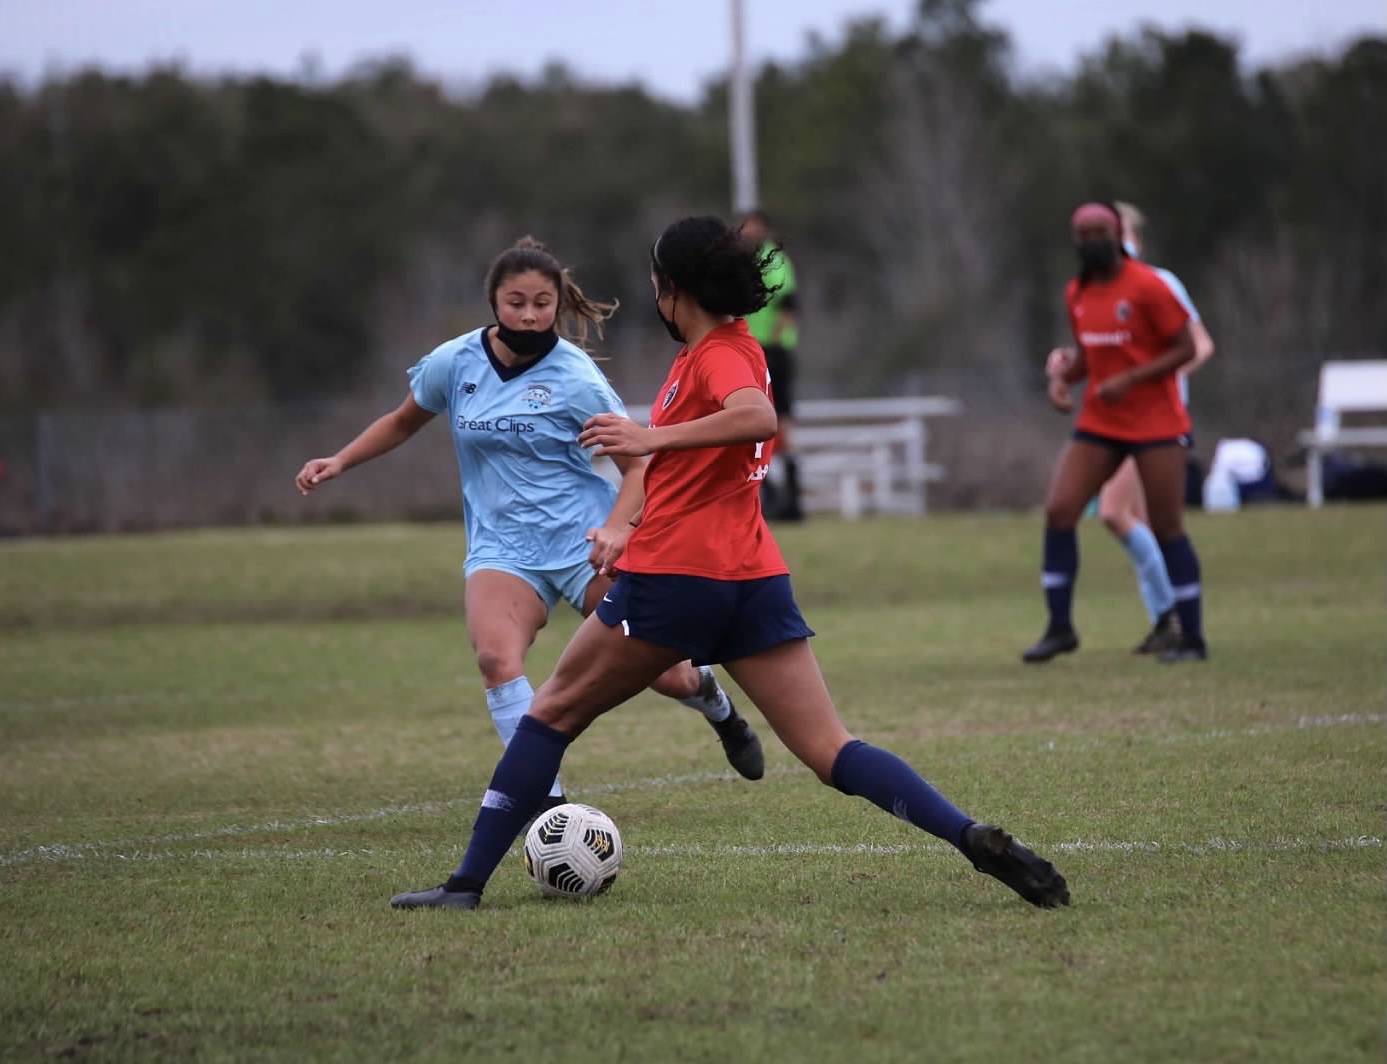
(1152, 578)
(509, 702)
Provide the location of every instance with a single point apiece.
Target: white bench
(860, 455)
(1358, 387)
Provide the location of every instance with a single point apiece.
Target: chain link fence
(144, 469)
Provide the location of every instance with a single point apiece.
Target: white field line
(60, 851)
(1095, 742)
(73, 851)
(1278, 844)
(1216, 846)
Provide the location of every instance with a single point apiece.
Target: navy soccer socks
(888, 782)
(516, 793)
(1183, 565)
(1060, 570)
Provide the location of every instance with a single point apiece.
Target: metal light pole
(742, 119)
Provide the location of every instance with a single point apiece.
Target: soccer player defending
(540, 520)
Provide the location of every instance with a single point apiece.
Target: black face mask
(527, 343)
(1097, 255)
(668, 323)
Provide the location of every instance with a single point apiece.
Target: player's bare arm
(747, 416)
(609, 540)
(1203, 347)
(384, 434)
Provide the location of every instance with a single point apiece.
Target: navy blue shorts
(708, 621)
(1127, 448)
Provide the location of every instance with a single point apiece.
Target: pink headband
(1095, 214)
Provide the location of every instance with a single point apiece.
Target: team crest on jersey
(538, 396)
(1124, 310)
(669, 395)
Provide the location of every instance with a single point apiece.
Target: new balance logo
(759, 473)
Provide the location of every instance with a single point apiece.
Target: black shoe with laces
(1055, 641)
(1000, 856)
(740, 744)
(1187, 648)
(1163, 635)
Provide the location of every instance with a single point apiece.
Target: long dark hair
(710, 260)
(577, 313)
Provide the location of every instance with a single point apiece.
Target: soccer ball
(573, 851)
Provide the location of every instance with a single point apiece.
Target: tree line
(181, 240)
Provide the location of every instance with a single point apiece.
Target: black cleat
(1000, 856)
(1163, 635)
(438, 897)
(1187, 648)
(1054, 641)
(740, 744)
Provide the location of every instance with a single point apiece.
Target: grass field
(222, 752)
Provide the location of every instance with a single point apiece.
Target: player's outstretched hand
(607, 546)
(315, 472)
(1060, 398)
(613, 434)
(1059, 361)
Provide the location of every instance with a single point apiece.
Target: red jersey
(1124, 322)
(702, 514)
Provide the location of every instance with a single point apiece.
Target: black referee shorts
(780, 361)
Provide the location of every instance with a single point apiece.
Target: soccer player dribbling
(701, 577)
(1132, 336)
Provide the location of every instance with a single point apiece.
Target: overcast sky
(658, 42)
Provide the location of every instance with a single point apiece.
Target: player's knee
(498, 665)
(1116, 519)
(680, 681)
(1166, 523)
(1061, 513)
(1167, 531)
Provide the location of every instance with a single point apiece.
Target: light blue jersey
(1178, 290)
(529, 492)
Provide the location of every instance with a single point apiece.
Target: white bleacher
(861, 456)
(1356, 387)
